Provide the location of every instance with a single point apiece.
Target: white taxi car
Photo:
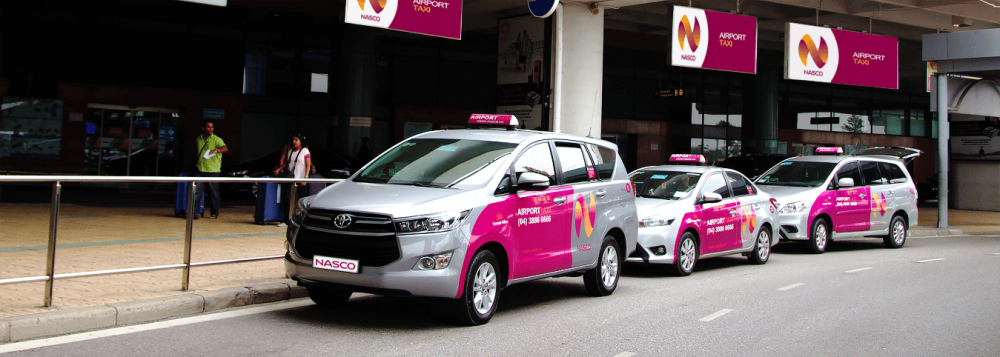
(687, 213)
(826, 197)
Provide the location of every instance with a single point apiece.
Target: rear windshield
(797, 173)
(671, 185)
(446, 163)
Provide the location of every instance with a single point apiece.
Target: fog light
(426, 263)
(659, 250)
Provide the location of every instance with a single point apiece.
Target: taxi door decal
(542, 232)
(584, 214)
(853, 208)
(748, 223)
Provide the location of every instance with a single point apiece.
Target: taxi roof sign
(508, 121)
(830, 150)
(688, 158)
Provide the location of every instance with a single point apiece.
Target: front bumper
(794, 226)
(396, 278)
(653, 237)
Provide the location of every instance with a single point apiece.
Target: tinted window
(892, 172)
(738, 183)
(537, 159)
(850, 170)
(716, 184)
(605, 161)
(664, 184)
(573, 162)
(871, 173)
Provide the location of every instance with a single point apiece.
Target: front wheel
(480, 296)
(897, 233)
(687, 255)
(819, 236)
(603, 279)
(762, 248)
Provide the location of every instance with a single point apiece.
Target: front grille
(369, 239)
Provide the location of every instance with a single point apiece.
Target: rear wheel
(687, 255)
(897, 233)
(481, 293)
(328, 298)
(819, 236)
(762, 248)
(603, 279)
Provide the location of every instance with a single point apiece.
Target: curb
(935, 232)
(48, 324)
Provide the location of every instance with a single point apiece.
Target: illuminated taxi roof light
(830, 151)
(688, 159)
(507, 121)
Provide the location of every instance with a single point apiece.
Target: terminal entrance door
(138, 141)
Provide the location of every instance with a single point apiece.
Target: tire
(897, 233)
(328, 298)
(761, 248)
(481, 292)
(603, 279)
(687, 255)
(819, 236)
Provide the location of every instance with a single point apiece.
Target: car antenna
(592, 112)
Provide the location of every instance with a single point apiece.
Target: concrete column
(943, 135)
(356, 87)
(766, 115)
(579, 93)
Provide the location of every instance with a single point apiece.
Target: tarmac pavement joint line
(790, 287)
(858, 270)
(716, 315)
(930, 260)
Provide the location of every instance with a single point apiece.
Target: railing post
(192, 208)
(50, 262)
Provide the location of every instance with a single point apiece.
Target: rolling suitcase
(180, 202)
(268, 203)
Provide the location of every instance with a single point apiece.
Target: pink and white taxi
(461, 214)
(687, 213)
(830, 196)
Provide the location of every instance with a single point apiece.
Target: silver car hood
(660, 207)
(392, 200)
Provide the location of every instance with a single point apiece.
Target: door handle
(559, 200)
(600, 193)
(732, 212)
(891, 193)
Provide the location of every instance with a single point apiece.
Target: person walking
(296, 162)
(364, 153)
(209, 163)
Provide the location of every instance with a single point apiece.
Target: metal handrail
(50, 275)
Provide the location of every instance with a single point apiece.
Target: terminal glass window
(918, 126)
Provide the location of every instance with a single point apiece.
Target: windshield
(797, 173)
(446, 163)
(670, 185)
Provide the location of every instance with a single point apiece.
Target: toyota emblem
(342, 221)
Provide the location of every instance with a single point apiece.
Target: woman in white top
(296, 162)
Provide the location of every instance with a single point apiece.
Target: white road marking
(929, 260)
(996, 253)
(790, 287)
(27, 345)
(716, 315)
(857, 270)
(625, 354)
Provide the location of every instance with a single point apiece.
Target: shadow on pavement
(854, 244)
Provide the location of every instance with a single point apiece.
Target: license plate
(338, 264)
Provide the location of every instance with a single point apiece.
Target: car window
(738, 183)
(717, 184)
(869, 169)
(573, 162)
(537, 159)
(445, 163)
(850, 170)
(892, 173)
(670, 185)
(605, 161)
(797, 173)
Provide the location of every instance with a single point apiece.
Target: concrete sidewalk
(106, 238)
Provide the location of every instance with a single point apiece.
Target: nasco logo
(819, 54)
(879, 205)
(692, 35)
(584, 214)
(377, 5)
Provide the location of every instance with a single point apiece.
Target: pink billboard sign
(492, 119)
(821, 54)
(829, 150)
(441, 18)
(687, 158)
(714, 40)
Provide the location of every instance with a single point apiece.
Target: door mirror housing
(531, 181)
(711, 197)
(845, 182)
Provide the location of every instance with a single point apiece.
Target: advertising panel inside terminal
(821, 54)
(442, 18)
(729, 44)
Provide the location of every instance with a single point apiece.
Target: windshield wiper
(419, 184)
(654, 196)
(367, 180)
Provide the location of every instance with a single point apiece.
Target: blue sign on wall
(542, 8)
(214, 114)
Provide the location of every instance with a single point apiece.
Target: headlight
(433, 262)
(655, 222)
(301, 209)
(436, 223)
(794, 207)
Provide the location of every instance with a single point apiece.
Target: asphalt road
(935, 296)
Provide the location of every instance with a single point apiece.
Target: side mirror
(711, 197)
(531, 181)
(845, 182)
